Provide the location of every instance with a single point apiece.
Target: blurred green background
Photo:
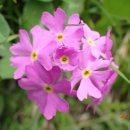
(17, 113)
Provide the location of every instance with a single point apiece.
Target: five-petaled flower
(91, 77)
(25, 53)
(69, 36)
(43, 88)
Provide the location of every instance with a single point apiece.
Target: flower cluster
(61, 47)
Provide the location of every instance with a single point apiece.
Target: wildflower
(66, 58)
(43, 88)
(87, 72)
(108, 46)
(25, 53)
(93, 42)
(109, 77)
(108, 82)
(63, 47)
(69, 36)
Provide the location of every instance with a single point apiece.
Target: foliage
(17, 113)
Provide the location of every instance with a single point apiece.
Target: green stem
(120, 73)
(81, 24)
(12, 37)
(34, 122)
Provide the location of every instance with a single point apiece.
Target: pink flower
(43, 88)
(88, 72)
(108, 46)
(93, 42)
(108, 82)
(62, 45)
(69, 36)
(109, 77)
(25, 53)
(66, 58)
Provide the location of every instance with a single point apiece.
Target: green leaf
(4, 29)
(32, 13)
(12, 37)
(2, 38)
(111, 14)
(118, 8)
(73, 6)
(6, 71)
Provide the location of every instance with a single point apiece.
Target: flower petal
(45, 61)
(55, 74)
(19, 72)
(74, 19)
(86, 89)
(41, 100)
(98, 64)
(90, 33)
(48, 20)
(20, 61)
(25, 40)
(60, 18)
(28, 84)
(37, 73)
(55, 103)
(41, 37)
(75, 78)
(17, 49)
(63, 86)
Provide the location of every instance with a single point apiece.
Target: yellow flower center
(48, 88)
(90, 42)
(86, 73)
(64, 59)
(34, 56)
(59, 37)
